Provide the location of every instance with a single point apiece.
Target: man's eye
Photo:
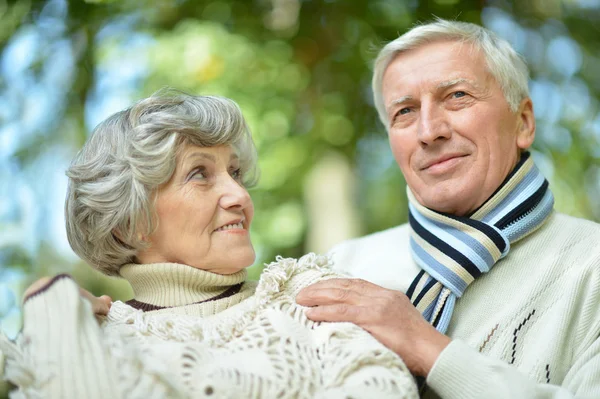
(459, 94)
(404, 111)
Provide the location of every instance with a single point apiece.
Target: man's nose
(233, 194)
(433, 125)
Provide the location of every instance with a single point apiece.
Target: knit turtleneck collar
(172, 284)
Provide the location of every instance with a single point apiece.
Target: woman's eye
(459, 94)
(236, 174)
(199, 174)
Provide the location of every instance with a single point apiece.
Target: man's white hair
(114, 178)
(503, 62)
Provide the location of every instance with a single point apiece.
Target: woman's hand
(100, 305)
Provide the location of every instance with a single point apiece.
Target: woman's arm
(63, 353)
(60, 352)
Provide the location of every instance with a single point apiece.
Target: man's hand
(388, 315)
(100, 305)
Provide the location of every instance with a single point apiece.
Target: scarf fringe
(20, 370)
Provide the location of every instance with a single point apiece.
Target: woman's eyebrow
(188, 160)
(201, 155)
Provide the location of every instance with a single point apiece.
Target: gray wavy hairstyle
(503, 62)
(114, 178)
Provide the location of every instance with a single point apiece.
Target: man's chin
(447, 200)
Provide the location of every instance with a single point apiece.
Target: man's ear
(525, 124)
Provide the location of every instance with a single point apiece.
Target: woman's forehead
(191, 152)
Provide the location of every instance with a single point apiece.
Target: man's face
(451, 130)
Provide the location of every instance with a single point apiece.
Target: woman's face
(204, 214)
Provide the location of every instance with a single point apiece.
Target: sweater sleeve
(63, 353)
(463, 373)
(60, 353)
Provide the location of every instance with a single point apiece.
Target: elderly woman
(158, 196)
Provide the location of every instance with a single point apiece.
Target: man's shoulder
(374, 240)
(382, 258)
(567, 239)
(575, 222)
(573, 228)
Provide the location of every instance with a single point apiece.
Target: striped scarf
(453, 251)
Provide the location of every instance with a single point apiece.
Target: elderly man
(502, 293)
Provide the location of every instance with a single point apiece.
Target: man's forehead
(417, 60)
(449, 74)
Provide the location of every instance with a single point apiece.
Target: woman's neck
(164, 285)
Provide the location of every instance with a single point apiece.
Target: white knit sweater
(530, 328)
(256, 343)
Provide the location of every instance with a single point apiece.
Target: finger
(106, 299)
(360, 287)
(339, 313)
(331, 296)
(347, 283)
(100, 307)
(86, 294)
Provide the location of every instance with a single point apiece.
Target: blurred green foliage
(300, 71)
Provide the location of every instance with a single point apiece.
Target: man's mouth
(441, 160)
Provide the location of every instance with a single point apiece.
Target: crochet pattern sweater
(530, 328)
(203, 336)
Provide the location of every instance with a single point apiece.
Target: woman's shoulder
(289, 275)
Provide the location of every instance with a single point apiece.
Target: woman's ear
(525, 124)
(121, 238)
(117, 234)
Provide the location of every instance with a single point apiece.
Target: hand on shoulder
(100, 305)
(387, 314)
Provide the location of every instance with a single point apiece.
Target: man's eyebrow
(441, 85)
(454, 82)
(398, 101)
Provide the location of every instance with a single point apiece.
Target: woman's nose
(234, 194)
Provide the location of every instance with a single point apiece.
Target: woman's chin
(237, 262)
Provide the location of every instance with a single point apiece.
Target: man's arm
(60, 351)
(63, 353)
(453, 369)
(462, 372)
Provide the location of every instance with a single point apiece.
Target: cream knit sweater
(212, 338)
(530, 328)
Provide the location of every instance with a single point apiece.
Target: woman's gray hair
(503, 62)
(114, 178)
